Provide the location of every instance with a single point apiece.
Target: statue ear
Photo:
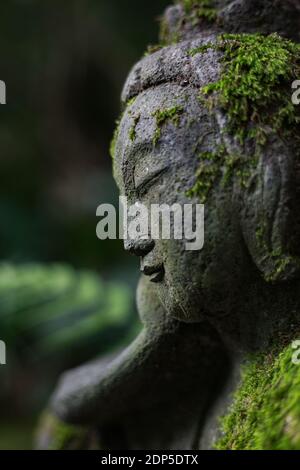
(269, 213)
(269, 205)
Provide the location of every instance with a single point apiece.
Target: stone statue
(207, 117)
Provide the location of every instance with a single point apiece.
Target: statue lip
(156, 273)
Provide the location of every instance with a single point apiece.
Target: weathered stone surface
(150, 392)
(208, 309)
(175, 64)
(235, 16)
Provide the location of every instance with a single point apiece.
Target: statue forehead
(170, 77)
(169, 111)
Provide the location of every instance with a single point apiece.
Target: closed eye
(149, 180)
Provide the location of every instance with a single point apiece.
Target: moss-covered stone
(265, 414)
(201, 49)
(152, 48)
(163, 116)
(116, 131)
(281, 261)
(132, 132)
(193, 13)
(254, 90)
(255, 85)
(221, 167)
(207, 173)
(260, 233)
(196, 10)
(112, 147)
(58, 435)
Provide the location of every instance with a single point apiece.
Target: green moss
(196, 10)
(260, 234)
(130, 102)
(166, 37)
(207, 173)
(265, 414)
(152, 48)
(281, 261)
(132, 132)
(69, 436)
(163, 116)
(254, 90)
(276, 259)
(219, 166)
(255, 85)
(112, 148)
(201, 49)
(63, 436)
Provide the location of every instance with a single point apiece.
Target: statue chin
(158, 302)
(180, 306)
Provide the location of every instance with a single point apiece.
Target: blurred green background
(64, 295)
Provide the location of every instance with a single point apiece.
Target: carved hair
(270, 216)
(235, 16)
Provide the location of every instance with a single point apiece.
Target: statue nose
(139, 247)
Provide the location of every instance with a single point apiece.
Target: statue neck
(266, 316)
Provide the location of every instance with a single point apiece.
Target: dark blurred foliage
(64, 64)
(53, 318)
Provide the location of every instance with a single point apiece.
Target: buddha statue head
(208, 118)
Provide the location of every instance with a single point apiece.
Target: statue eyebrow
(139, 149)
(131, 156)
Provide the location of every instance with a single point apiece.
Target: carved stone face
(188, 283)
(251, 230)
